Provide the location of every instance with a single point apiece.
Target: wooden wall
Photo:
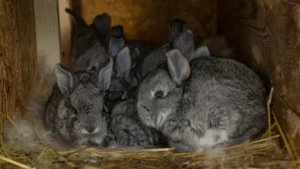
(18, 60)
(267, 35)
(47, 33)
(148, 20)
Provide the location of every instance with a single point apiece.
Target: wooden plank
(18, 59)
(65, 23)
(288, 119)
(47, 33)
(267, 36)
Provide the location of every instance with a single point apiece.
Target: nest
(272, 150)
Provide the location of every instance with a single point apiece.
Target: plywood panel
(65, 26)
(18, 60)
(267, 35)
(47, 33)
(148, 20)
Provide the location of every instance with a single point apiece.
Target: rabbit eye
(159, 94)
(93, 68)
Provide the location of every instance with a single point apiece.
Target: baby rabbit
(138, 50)
(157, 56)
(88, 46)
(123, 79)
(202, 104)
(126, 57)
(73, 112)
(129, 131)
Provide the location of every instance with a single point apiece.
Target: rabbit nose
(90, 130)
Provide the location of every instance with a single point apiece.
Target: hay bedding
(26, 144)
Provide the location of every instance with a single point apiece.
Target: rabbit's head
(122, 79)
(102, 24)
(82, 104)
(87, 36)
(153, 60)
(161, 91)
(90, 61)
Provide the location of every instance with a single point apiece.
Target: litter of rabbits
(262, 153)
(57, 120)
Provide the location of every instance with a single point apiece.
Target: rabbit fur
(88, 50)
(204, 103)
(129, 131)
(157, 56)
(73, 112)
(126, 57)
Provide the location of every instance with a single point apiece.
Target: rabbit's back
(229, 76)
(223, 93)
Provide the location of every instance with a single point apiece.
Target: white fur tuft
(27, 132)
(211, 138)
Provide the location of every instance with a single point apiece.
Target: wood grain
(18, 59)
(148, 20)
(65, 26)
(47, 33)
(266, 34)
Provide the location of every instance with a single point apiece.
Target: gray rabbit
(157, 56)
(129, 131)
(204, 103)
(88, 50)
(126, 57)
(88, 36)
(123, 79)
(73, 112)
(138, 49)
(129, 62)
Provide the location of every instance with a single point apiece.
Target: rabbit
(138, 49)
(73, 113)
(102, 24)
(90, 61)
(157, 56)
(126, 57)
(186, 45)
(203, 103)
(130, 132)
(116, 32)
(89, 39)
(123, 80)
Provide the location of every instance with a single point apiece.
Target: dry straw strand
(16, 163)
(286, 143)
(269, 111)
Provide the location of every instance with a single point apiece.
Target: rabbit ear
(123, 62)
(78, 19)
(175, 29)
(104, 76)
(134, 57)
(114, 46)
(200, 52)
(117, 31)
(178, 66)
(64, 79)
(102, 24)
(185, 43)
